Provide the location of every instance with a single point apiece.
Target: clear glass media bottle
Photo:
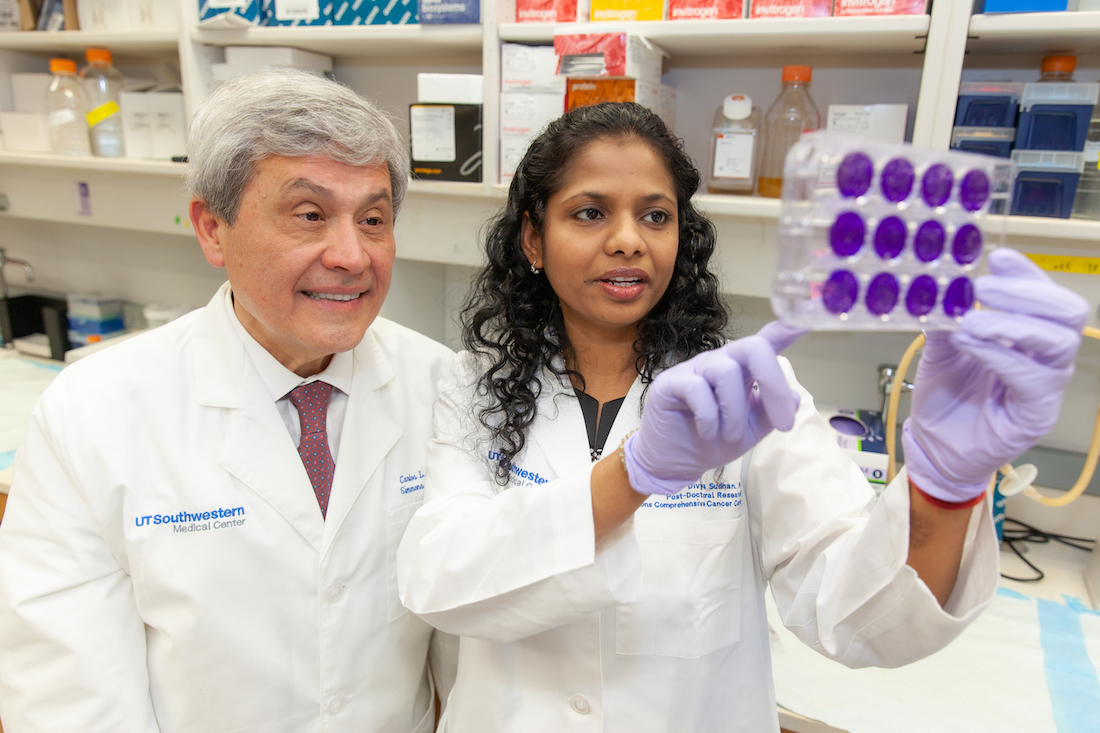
(65, 122)
(102, 88)
(791, 114)
(735, 146)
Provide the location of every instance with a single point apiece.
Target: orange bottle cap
(98, 54)
(798, 73)
(1058, 63)
(62, 66)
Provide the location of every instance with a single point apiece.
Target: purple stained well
(959, 297)
(882, 294)
(853, 176)
(847, 233)
(897, 179)
(974, 190)
(840, 292)
(890, 237)
(935, 185)
(928, 243)
(967, 246)
(921, 298)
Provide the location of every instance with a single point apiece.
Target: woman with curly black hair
(622, 589)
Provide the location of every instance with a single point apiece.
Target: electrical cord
(1036, 536)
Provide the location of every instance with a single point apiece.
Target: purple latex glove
(706, 412)
(984, 394)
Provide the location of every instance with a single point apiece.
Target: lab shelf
(751, 36)
(91, 163)
(133, 43)
(422, 41)
(1048, 228)
(1015, 33)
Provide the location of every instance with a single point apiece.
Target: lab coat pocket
(690, 602)
(396, 522)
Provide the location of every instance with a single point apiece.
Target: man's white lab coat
(164, 565)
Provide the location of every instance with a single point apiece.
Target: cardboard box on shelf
(552, 11)
(529, 69)
(450, 88)
(790, 8)
(446, 141)
(433, 12)
(880, 7)
(704, 9)
(249, 12)
(619, 10)
(583, 92)
(523, 115)
(884, 122)
(608, 54)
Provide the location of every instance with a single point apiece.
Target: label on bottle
(1092, 152)
(59, 117)
(102, 112)
(733, 155)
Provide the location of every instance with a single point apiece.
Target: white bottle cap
(737, 106)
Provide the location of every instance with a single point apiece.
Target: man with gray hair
(203, 520)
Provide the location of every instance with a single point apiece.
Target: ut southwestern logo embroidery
(195, 522)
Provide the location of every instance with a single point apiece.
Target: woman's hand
(985, 393)
(710, 410)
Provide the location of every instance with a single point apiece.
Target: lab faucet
(886, 375)
(4, 260)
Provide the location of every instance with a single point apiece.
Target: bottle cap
(62, 66)
(737, 106)
(1058, 63)
(798, 73)
(98, 54)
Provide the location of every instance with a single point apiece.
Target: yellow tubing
(892, 410)
(1032, 493)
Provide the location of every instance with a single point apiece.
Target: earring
(534, 270)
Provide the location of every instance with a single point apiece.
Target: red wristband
(949, 505)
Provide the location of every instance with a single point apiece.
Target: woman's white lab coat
(164, 565)
(663, 627)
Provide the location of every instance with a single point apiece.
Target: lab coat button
(335, 705)
(580, 704)
(334, 592)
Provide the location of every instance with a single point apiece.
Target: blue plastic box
(988, 104)
(1046, 182)
(995, 141)
(1055, 116)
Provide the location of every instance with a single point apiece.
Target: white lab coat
(259, 615)
(663, 628)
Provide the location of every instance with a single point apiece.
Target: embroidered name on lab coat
(220, 518)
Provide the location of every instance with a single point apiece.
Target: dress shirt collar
(277, 378)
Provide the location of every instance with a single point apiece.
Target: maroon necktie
(312, 403)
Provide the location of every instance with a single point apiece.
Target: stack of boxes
(445, 127)
(613, 67)
(531, 96)
(1042, 127)
(93, 319)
